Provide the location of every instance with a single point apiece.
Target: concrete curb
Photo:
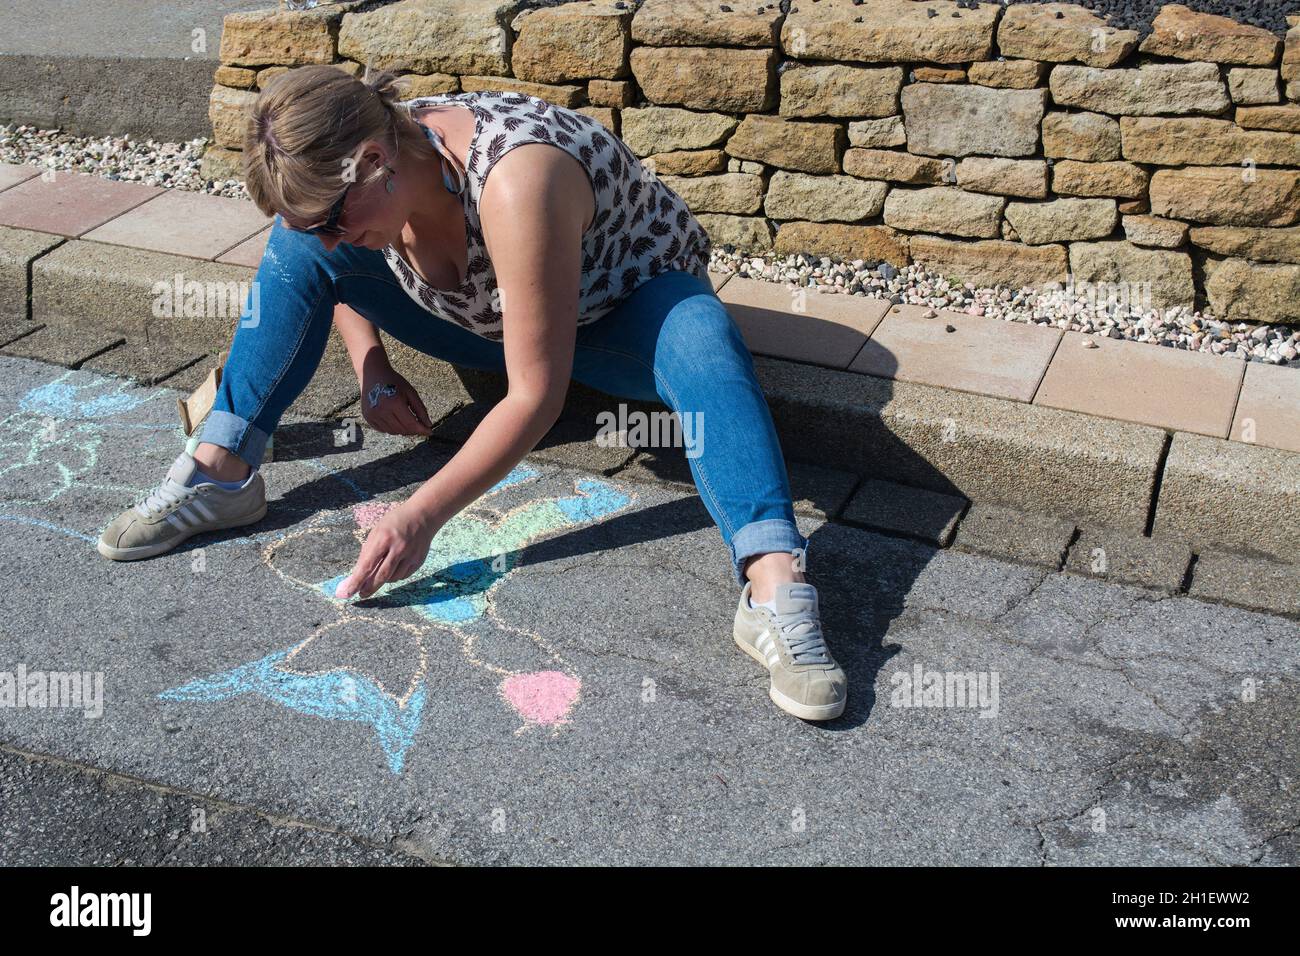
(162, 98)
(1217, 493)
(1069, 465)
(112, 288)
(116, 67)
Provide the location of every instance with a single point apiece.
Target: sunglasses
(330, 227)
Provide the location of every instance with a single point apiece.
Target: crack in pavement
(222, 808)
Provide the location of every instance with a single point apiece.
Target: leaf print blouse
(641, 227)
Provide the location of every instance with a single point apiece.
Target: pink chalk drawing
(544, 697)
(367, 515)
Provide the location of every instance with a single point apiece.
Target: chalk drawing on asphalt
(52, 443)
(449, 600)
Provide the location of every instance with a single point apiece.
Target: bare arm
(400, 414)
(533, 231)
(534, 236)
(360, 337)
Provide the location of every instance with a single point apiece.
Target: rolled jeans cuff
(763, 537)
(236, 435)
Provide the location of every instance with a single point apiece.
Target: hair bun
(385, 84)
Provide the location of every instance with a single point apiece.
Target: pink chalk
(368, 515)
(543, 697)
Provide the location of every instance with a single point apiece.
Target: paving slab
(582, 403)
(818, 491)
(1253, 583)
(441, 385)
(333, 386)
(1139, 382)
(536, 713)
(70, 204)
(11, 174)
(249, 252)
(184, 223)
(353, 413)
(62, 346)
(1228, 495)
(187, 379)
(802, 325)
(143, 363)
(1111, 555)
(462, 385)
(898, 509)
(13, 329)
(570, 441)
(1014, 535)
(1268, 409)
(914, 343)
(576, 443)
(1073, 466)
(18, 247)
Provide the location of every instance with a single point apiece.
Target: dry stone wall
(1032, 145)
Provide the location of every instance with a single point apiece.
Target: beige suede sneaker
(806, 681)
(175, 510)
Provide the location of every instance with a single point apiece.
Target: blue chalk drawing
(51, 443)
(62, 399)
(335, 695)
(50, 526)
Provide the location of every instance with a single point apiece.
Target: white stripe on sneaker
(198, 505)
(176, 522)
(189, 514)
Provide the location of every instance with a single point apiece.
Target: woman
(571, 261)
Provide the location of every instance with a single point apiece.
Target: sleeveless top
(640, 227)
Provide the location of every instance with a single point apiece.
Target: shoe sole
(151, 550)
(789, 704)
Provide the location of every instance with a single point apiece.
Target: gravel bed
(176, 166)
(1072, 310)
(115, 157)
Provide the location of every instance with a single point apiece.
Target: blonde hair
(307, 123)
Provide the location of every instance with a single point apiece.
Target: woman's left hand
(395, 548)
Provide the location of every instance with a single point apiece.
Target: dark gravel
(1138, 14)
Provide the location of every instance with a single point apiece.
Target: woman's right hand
(390, 404)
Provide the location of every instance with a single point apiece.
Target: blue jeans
(671, 341)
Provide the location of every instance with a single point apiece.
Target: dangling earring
(388, 184)
(446, 181)
(436, 140)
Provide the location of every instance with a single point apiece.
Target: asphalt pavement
(558, 683)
